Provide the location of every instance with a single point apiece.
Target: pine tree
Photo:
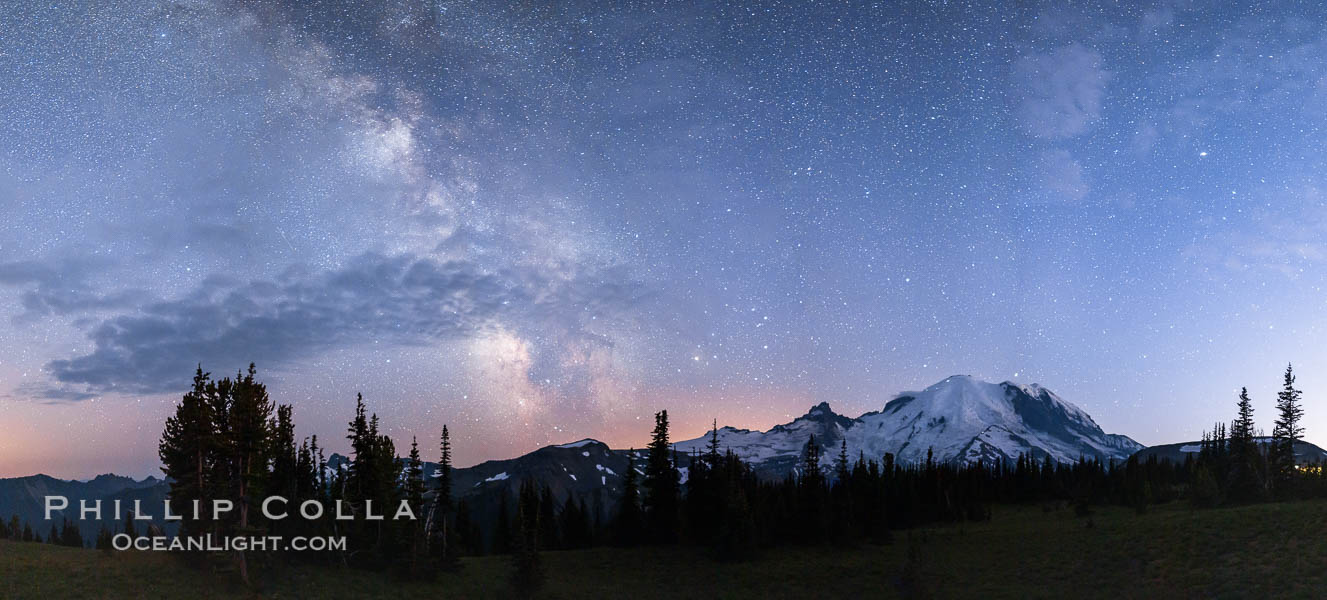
(442, 521)
(284, 456)
(503, 536)
(627, 527)
(1240, 452)
(414, 494)
(104, 537)
(188, 450)
(1286, 431)
(841, 463)
(811, 473)
(549, 536)
(527, 569)
(661, 484)
(1241, 430)
(248, 446)
(70, 535)
(712, 447)
(468, 540)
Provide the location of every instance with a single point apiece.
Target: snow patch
(499, 477)
(584, 442)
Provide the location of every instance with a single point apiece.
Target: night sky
(545, 222)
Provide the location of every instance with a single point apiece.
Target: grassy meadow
(1261, 551)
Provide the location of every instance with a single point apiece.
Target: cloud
(1158, 17)
(394, 300)
(1061, 175)
(1059, 94)
(1283, 234)
(60, 289)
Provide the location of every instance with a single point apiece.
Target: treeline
(228, 441)
(21, 531)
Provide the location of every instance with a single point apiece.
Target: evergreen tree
(1239, 455)
(1287, 430)
(503, 535)
(574, 525)
(549, 536)
(188, 451)
(841, 463)
(442, 519)
(284, 456)
(104, 537)
(661, 484)
(70, 535)
(627, 527)
(468, 540)
(414, 494)
(527, 569)
(1241, 430)
(712, 447)
(811, 473)
(248, 447)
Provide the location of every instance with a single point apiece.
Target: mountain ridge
(958, 419)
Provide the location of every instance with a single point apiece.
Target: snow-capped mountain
(958, 419)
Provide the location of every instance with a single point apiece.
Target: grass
(1263, 551)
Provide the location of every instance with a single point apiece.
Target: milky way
(543, 222)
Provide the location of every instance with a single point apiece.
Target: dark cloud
(60, 289)
(396, 300)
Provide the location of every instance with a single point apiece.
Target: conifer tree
(1286, 430)
(442, 521)
(662, 490)
(503, 536)
(712, 447)
(188, 451)
(1241, 429)
(284, 456)
(104, 537)
(811, 473)
(467, 532)
(627, 526)
(841, 463)
(248, 447)
(1240, 454)
(527, 569)
(414, 494)
(549, 536)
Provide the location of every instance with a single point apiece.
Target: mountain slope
(1305, 452)
(25, 497)
(958, 419)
